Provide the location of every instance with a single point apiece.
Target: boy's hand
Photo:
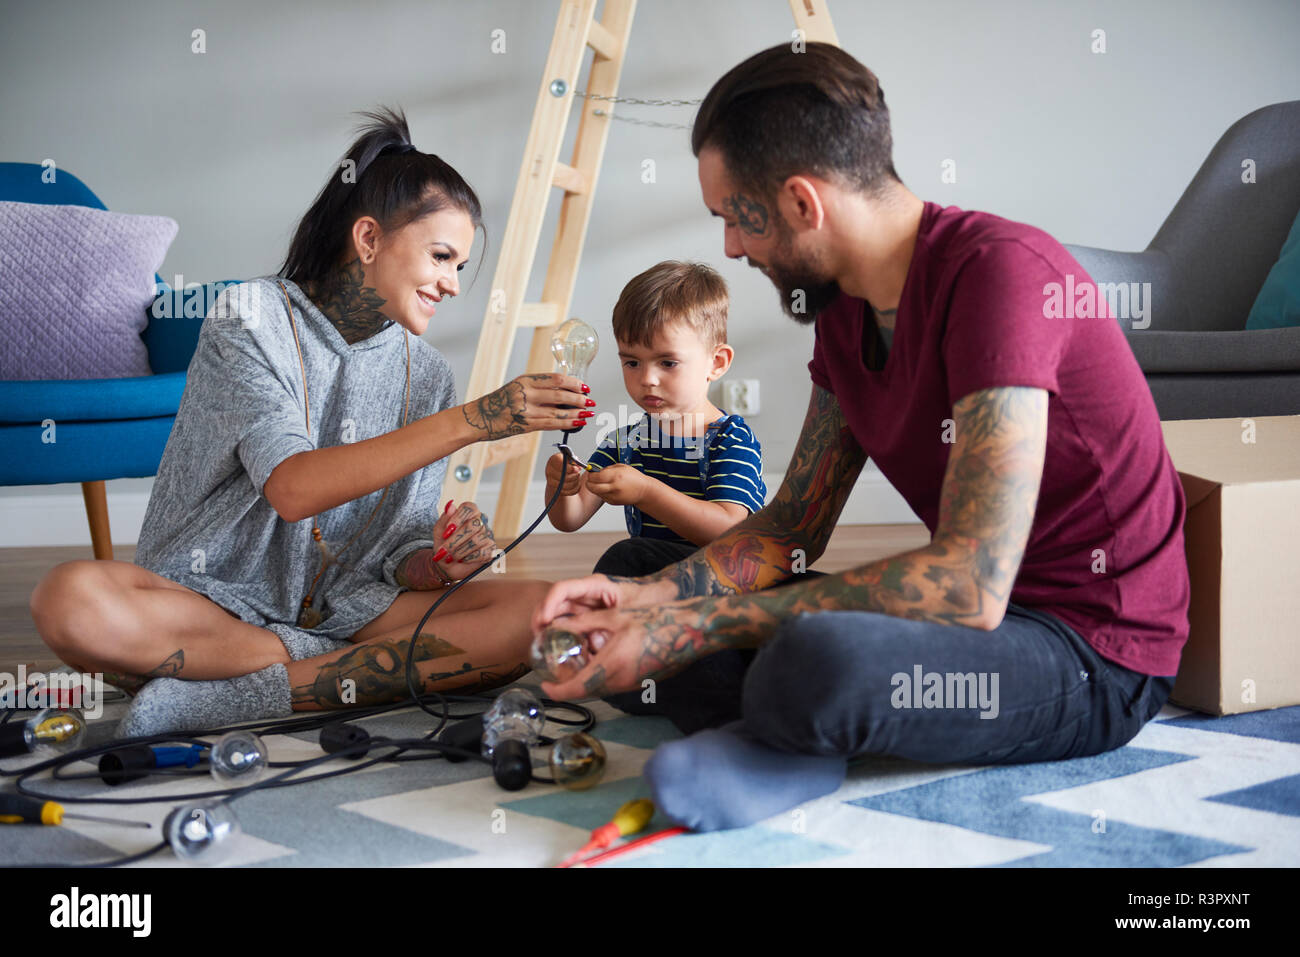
(572, 481)
(618, 485)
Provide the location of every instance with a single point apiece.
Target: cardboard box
(1242, 533)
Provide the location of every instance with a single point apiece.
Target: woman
(294, 532)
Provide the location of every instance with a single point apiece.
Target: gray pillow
(74, 286)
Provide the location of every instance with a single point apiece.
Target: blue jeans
(844, 683)
(840, 684)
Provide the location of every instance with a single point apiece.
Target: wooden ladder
(576, 29)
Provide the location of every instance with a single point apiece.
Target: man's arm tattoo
(761, 551)
(990, 491)
(963, 577)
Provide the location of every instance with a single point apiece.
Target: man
(1045, 618)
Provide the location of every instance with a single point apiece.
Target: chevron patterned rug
(1188, 791)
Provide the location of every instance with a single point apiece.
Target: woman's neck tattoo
(348, 303)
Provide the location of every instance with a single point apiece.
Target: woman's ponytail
(382, 175)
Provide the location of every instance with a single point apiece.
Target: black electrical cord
(55, 765)
(584, 721)
(279, 780)
(410, 651)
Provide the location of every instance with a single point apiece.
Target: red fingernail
(585, 415)
(451, 527)
(442, 553)
(586, 389)
(578, 423)
(590, 403)
(448, 508)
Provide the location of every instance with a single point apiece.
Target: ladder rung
(503, 450)
(602, 41)
(539, 314)
(569, 179)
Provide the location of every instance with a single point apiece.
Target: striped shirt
(735, 468)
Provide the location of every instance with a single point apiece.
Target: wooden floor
(549, 557)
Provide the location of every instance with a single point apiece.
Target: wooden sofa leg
(96, 496)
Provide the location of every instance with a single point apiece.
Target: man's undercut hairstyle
(671, 292)
(384, 176)
(781, 114)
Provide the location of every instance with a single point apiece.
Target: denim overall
(639, 435)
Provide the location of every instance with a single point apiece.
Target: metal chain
(631, 99)
(628, 119)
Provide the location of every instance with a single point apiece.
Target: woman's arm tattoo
(498, 413)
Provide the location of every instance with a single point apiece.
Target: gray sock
(724, 777)
(304, 644)
(168, 705)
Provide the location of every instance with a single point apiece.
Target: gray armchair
(1206, 265)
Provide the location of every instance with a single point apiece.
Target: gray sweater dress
(208, 525)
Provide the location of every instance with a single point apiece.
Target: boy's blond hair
(668, 292)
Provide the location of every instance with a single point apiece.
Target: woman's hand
(572, 481)
(463, 533)
(543, 401)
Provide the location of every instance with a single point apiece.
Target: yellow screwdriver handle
(634, 816)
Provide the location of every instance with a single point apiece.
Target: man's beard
(804, 291)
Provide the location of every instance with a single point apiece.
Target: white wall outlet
(740, 397)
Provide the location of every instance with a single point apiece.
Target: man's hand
(572, 480)
(594, 592)
(618, 484)
(465, 534)
(629, 645)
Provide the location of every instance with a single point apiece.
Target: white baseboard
(55, 515)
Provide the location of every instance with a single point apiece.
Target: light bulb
(558, 655)
(516, 715)
(202, 833)
(238, 758)
(574, 345)
(577, 761)
(51, 731)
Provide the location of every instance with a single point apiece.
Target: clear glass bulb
(516, 714)
(202, 833)
(53, 731)
(238, 758)
(558, 655)
(577, 761)
(574, 345)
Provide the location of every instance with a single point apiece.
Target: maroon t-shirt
(1105, 553)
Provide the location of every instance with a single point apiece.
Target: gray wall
(234, 143)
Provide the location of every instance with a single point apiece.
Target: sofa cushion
(1278, 302)
(1243, 350)
(74, 286)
